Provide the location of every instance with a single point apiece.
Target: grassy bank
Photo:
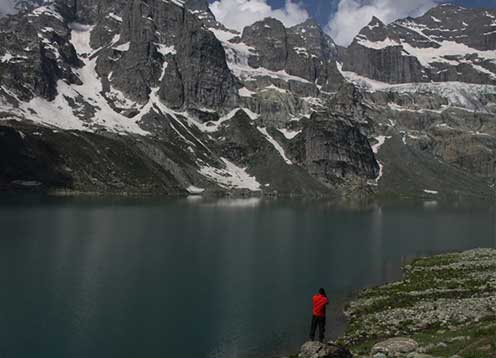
(446, 303)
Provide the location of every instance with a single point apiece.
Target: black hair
(322, 292)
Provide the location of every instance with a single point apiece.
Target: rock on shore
(313, 349)
(444, 307)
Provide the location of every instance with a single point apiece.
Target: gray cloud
(236, 14)
(353, 15)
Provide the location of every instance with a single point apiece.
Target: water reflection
(232, 277)
(230, 202)
(431, 204)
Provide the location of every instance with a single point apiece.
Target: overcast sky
(342, 19)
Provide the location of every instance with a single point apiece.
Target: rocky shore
(444, 307)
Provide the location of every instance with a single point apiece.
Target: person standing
(319, 302)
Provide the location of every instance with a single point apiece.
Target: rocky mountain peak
(310, 24)
(310, 31)
(375, 22)
(268, 27)
(206, 107)
(448, 43)
(376, 30)
(304, 51)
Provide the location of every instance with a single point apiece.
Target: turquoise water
(201, 278)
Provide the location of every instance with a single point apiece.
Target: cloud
(353, 15)
(236, 14)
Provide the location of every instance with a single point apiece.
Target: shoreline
(444, 306)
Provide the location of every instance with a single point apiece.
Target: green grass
(429, 279)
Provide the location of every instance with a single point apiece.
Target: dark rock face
(138, 65)
(201, 9)
(172, 88)
(448, 43)
(376, 64)
(471, 27)
(335, 150)
(107, 18)
(303, 50)
(29, 161)
(471, 152)
(242, 142)
(36, 52)
(270, 39)
(160, 44)
(312, 55)
(68, 161)
(349, 101)
(202, 64)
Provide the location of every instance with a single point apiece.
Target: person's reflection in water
(319, 302)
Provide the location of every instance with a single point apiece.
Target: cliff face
(303, 51)
(270, 109)
(448, 43)
(335, 149)
(159, 44)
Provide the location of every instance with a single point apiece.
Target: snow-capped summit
(157, 96)
(448, 43)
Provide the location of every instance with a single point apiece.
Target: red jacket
(319, 305)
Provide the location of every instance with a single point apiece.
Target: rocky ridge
(448, 43)
(271, 109)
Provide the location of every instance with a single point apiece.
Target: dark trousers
(320, 322)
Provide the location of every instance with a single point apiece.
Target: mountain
(428, 83)
(156, 96)
(448, 43)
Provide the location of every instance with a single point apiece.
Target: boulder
(394, 347)
(313, 349)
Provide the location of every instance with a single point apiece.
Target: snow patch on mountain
(375, 148)
(458, 94)
(211, 127)
(245, 92)
(6, 57)
(377, 45)
(165, 50)
(77, 107)
(194, 190)
(230, 177)
(288, 133)
(429, 55)
(48, 10)
(237, 54)
(275, 144)
(122, 47)
(80, 38)
(115, 17)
